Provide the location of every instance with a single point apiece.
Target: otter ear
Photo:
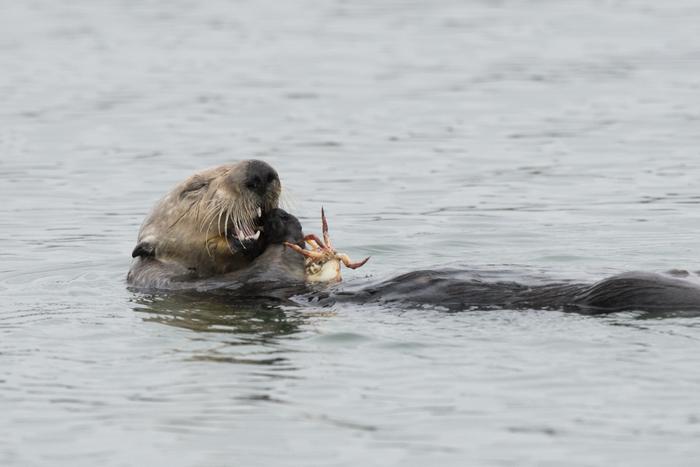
(144, 250)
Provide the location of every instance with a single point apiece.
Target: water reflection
(255, 319)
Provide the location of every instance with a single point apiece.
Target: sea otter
(221, 230)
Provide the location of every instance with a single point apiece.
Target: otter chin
(208, 225)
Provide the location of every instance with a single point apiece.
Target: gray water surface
(518, 138)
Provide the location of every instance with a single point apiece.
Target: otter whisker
(206, 222)
(209, 214)
(247, 216)
(247, 223)
(210, 209)
(242, 215)
(234, 216)
(218, 222)
(206, 247)
(236, 224)
(234, 219)
(198, 206)
(228, 216)
(286, 200)
(212, 216)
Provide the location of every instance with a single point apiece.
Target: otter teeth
(242, 237)
(259, 211)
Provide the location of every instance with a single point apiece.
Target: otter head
(211, 222)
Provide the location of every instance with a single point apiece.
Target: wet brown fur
(186, 232)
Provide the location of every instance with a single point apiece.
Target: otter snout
(261, 178)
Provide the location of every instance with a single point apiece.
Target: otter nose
(259, 177)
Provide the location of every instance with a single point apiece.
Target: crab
(322, 262)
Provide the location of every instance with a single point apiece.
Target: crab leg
(346, 261)
(313, 238)
(307, 253)
(324, 227)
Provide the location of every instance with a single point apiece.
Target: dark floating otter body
(451, 290)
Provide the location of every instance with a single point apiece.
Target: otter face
(209, 221)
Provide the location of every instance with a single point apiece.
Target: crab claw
(324, 228)
(346, 261)
(309, 254)
(313, 238)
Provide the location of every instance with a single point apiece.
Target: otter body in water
(457, 290)
(221, 230)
